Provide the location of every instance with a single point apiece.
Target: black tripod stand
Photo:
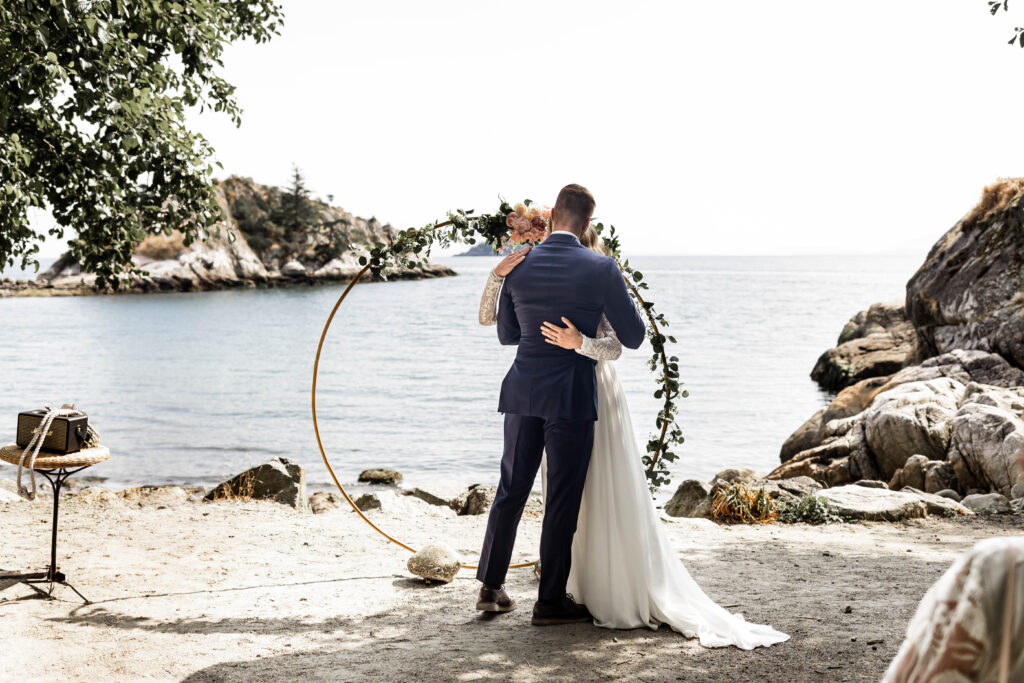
(52, 575)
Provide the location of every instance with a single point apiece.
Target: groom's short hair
(573, 208)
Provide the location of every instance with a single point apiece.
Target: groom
(549, 398)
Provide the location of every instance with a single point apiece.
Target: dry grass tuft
(995, 198)
(243, 489)
(161, 247)
(738, 504)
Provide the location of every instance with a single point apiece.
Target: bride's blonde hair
(591, 240)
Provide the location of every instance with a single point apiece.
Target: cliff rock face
(269, 237)
(948, 416)
(969, 293)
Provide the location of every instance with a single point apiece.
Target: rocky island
(270, 237)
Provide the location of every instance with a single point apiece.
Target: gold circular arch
(320, 443)
(316, 427)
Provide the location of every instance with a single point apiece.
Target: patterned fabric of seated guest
(970, 624)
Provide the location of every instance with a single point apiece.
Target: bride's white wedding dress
(623, 565)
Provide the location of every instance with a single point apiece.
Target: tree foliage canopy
(93, 96)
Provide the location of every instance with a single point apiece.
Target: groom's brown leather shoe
(560, 611)
(494, 600)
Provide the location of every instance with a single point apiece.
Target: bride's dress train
(623, 565)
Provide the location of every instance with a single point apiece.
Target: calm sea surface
(192, 388)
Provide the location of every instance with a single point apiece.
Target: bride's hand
(567, 337)
(511, 260)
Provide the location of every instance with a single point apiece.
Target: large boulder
(965, 366)
(279, 480)
(854, 398)
(912, 418)
(367, 502)
(840, 459)
(951, 494)
(878, 341)
(919, 472)
(435, 563)
(938, 505)
(737, 475)
(808, 435)
(691, 499)
(988, 436)
(799, 487)
(380, 475)
(849, 402)
(437, 494)
(987, 503)
(967, 294)
(293, 269)
(478, 500)
(321, 502)
(861, 502)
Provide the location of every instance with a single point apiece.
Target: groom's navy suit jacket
(559, 278)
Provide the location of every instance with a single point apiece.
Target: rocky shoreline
(928, 415)
(248, 250)
(283, 481)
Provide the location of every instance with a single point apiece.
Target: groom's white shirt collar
(566, 233)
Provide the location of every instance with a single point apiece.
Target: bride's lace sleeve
(605, 345)
(489, 300)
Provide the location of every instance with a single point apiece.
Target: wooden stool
(56, 467)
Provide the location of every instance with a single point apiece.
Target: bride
(623, 566)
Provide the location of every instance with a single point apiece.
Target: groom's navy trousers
(568, 444)
(549, 397)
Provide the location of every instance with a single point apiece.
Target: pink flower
(527, 225)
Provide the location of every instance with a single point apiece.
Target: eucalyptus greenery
(811, 510)
(470, 227)
(93, 95)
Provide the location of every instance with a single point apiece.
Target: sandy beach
(257, 591)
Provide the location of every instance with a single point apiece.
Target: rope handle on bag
(35, 444)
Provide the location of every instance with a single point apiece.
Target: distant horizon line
(752, 255)
(638, 255)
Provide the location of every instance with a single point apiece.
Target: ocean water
(192, 388)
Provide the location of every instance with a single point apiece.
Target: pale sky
(740, 127)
